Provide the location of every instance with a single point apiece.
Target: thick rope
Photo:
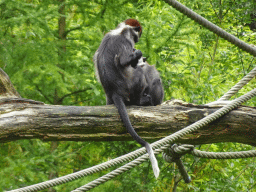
(212, 27)
(186, 148)
(179, 149)
(224, 155)
(129, 156)
(239, 85)
(132, 155)
(233, 104)
(173, 155)
(82, 173)
(222, 33)
(164, 143)
(114, 173)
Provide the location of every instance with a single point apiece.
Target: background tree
(46, 47)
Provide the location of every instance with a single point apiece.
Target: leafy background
(46, 47)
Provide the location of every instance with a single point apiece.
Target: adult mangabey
(116, 63)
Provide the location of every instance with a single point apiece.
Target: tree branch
(27, 119)
(102, 123)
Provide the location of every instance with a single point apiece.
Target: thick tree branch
(27, 119)
(102, 123)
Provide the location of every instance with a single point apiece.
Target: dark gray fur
(154, 87)
(115, 79)
(124, 82)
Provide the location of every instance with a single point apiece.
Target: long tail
(152, 159)
(119, 103)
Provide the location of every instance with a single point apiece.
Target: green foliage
(195, 65)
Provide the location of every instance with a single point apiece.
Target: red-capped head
(134, 23)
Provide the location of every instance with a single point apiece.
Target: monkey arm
(130, 58)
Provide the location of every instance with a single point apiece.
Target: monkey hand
(137, 56)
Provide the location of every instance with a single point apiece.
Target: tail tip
(153, 160)
(156, 171)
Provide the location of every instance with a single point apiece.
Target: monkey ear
(137, 28)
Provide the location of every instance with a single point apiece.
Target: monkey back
(110, 75)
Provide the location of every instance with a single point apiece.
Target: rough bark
(6, 87)
(102, 123)
(27, 119)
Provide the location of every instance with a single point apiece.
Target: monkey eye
(137, 28)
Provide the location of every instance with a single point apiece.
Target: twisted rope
(181, 149)
(224, 155)
(212, 27)
(171, 138)
(82, 173)
(225, 35)
(239, 85)
(161, 144)
(164, 143)
(185, 148)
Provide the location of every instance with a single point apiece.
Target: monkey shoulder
(116, 45)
